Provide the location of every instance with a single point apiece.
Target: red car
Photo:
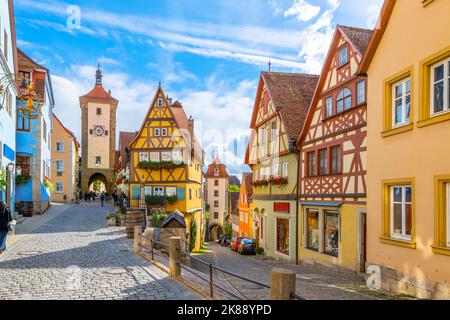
(235, 244)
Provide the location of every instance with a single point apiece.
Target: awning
(321, 203)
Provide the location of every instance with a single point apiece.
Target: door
(363, 241)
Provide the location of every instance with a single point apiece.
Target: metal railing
(211, 268)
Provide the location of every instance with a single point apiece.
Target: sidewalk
(26, 225)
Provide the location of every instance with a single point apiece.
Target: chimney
(191, 126)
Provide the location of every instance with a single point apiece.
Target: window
(283, 236)
(246, 221)
(190, 194)
(44, 130)
(361, 92)
(401, 212)
(343, 56)
(99, 111)
(440, 87)
(156, 132)
(59, 187)
(59, 165)
(143, 156)
(328, 107)
(447, 211)
(216, 193)
(216, 204)
(160, 102)
(323, 162)
(164, 132)
(171, 191)
(336, 160)
(24, 78)
(158, 191)
(23, 166)
(331, 233)
(216, 183)
(312, 164)
(166, 156)
(5, 45)
(98, 160)
(154, 156)
(216, 171)
(442, 215)
(275, 169)
(147, 191)
(312, 230)
(8, 103)
(23, 123)
(216, 215)
(273, 131)
(262, 136)
(285, 171)
(262, 228)
(59, 147)
(401, 102)
(344, 100)
(177, 155)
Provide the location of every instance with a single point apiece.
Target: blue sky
(207, 54)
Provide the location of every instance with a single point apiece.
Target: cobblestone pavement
(75, 256)
(311, 284)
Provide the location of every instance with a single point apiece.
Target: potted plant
(171, 199)
(21, 179)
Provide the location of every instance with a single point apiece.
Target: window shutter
(180, 193)
(136, 194)
(106, 132)
(91, 131)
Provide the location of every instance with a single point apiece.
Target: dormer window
(24, 78)
(343, 56)
(160, 103)
(156, 132)
(216, 171)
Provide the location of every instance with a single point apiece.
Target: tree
(227, 229)
(234, 188)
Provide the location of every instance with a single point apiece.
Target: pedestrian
(102, 198)
(5, 227)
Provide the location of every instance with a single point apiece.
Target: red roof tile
(359, 37)
(98, 93)
(216, 164)
(124, 140)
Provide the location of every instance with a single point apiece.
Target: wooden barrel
(133, 218)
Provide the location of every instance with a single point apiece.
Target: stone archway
(215, 231)
(98, 182)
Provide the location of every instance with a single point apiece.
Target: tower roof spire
(98, 76)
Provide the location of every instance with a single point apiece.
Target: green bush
(157, 217)
(260, 251)
(227, 229)
(192, 235)
(154, 200)
(171, 199)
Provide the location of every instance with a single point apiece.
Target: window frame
(285, 169)
(386, 222)
(160, 103)
(344, 99)
(158, 191)
(331, 113)
(59, 168)
(446, 82)
(61, 146)
(308, 211)
(338, 160)
(142, 155)
(62, 187)
(164, 132)
(340, 50)
(358, 91)
(312, 169)
(442, 215)
(277, 239)
(403, 203)
(405, 121)
(325, 162)
(156, 132)
(447, 213)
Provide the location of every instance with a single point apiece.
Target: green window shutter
(180, 193)
(136, 193)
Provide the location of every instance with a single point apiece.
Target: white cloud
(373, 11)
(302, 10)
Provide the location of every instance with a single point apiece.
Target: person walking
(102, 198)
(5, 220)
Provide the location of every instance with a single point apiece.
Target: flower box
(168, 165)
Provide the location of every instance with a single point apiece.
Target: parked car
(235, 244)
(226, 241)
(247, 246)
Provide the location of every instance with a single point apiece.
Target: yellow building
(166, 161)
(281, 104)
(408, 173)
(65, 157)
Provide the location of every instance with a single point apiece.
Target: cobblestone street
(312, 284)
(69, 253)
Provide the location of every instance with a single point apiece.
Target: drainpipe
(293, 149)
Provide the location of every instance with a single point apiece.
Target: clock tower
(98, 124)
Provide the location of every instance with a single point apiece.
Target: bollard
(175, 256)
(137, 239)
(282, 285)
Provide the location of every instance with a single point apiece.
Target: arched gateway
(98, 122)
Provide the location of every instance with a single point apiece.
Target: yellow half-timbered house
(166, 162)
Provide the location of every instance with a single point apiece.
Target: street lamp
(10, 167)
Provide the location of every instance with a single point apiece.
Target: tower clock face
(99, 131)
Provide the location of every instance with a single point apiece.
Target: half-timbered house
(166, 163)
(333, 150)
(281, 105)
